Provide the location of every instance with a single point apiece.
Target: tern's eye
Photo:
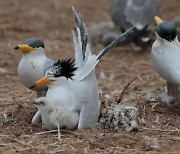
(41, 103)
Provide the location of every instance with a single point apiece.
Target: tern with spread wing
(73, 85)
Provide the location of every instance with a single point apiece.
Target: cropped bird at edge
(139, 13)
(165, 55)
(33, 65)
(72, 85)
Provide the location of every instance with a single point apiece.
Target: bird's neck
(60, 87)
(34, 54)
(60, 94)
(46, 110)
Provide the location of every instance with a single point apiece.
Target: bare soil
(52, 21)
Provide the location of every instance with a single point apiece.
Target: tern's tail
(85, 60)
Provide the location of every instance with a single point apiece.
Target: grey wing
(48, 64)
(89, 115)
(117, 8)
(81, 44)
(86, 100)
(94, 59)
(141, 12)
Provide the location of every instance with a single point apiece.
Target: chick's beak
(35, 103)
(24, 48)
(158, 20)
(41, 82)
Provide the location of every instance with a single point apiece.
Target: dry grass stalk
(162, 130)
(124, 90)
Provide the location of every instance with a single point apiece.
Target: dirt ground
(52, 21)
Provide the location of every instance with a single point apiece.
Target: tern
(73, 85)
(165, 55)
(127, 13)
(56, 117)
(33, 65)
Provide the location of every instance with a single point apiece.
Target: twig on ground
(162, 130)
(124, 90)
(46, 132)
(55, 131)
(113, 150)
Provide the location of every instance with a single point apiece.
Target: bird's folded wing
(117, 9)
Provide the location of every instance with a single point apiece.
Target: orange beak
(41, 82)
(25, 48)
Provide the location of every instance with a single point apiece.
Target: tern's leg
(41, 93)
(59, 133)
(36, 118)
(173, 90)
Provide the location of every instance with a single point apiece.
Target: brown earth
(52, 20)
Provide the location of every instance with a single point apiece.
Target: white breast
(166, 59)
(60, 95)
(31, 69)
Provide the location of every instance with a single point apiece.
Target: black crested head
(65, 67)
(167, 30)
(35, 43)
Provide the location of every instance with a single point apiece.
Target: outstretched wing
(81, 44)
(94, 59)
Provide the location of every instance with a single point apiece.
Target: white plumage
(166, 59)
(33, 64)
(56, 117)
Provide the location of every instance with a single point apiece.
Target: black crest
(65, 67)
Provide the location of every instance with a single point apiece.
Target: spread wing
(82, 45)
(94, 59)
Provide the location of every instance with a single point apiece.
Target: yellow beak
(25, 48)
(41, 82)
(158, 20)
